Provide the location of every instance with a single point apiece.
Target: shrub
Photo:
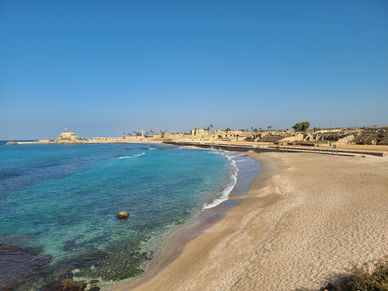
(360, 278)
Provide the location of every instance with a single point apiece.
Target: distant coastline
(373, 141)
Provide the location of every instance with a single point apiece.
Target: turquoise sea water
(58, 204)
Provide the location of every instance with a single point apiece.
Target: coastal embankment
(305, 219)
(379, 151)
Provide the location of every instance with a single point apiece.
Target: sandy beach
(306, 218)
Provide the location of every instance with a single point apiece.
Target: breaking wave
(224, 194)
(131, 157)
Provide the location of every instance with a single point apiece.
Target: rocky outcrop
(19, 266)
(66, 285)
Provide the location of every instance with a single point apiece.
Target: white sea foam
(131, 157)
(243, 160)
(224, 195)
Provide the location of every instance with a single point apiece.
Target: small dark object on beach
(123, 215)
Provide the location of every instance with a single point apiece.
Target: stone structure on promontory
(67, 136)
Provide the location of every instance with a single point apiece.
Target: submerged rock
(10, 247)
(123, 215)
(66, 285)
(82, 261)
(69, 245)
(18, 266)
(69, 284)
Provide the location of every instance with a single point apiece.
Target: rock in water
(71, 285)
(9, 247)
(123, 215)
(66, 285)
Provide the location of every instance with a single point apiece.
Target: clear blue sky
(101, 68)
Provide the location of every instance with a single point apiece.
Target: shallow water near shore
(58, 205)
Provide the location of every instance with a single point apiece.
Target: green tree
(316, 128)
(301, 126)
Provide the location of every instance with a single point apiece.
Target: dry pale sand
(305, 218)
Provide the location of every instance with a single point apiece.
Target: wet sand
(305, 218)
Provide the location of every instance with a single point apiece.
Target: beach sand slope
(306, 217)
